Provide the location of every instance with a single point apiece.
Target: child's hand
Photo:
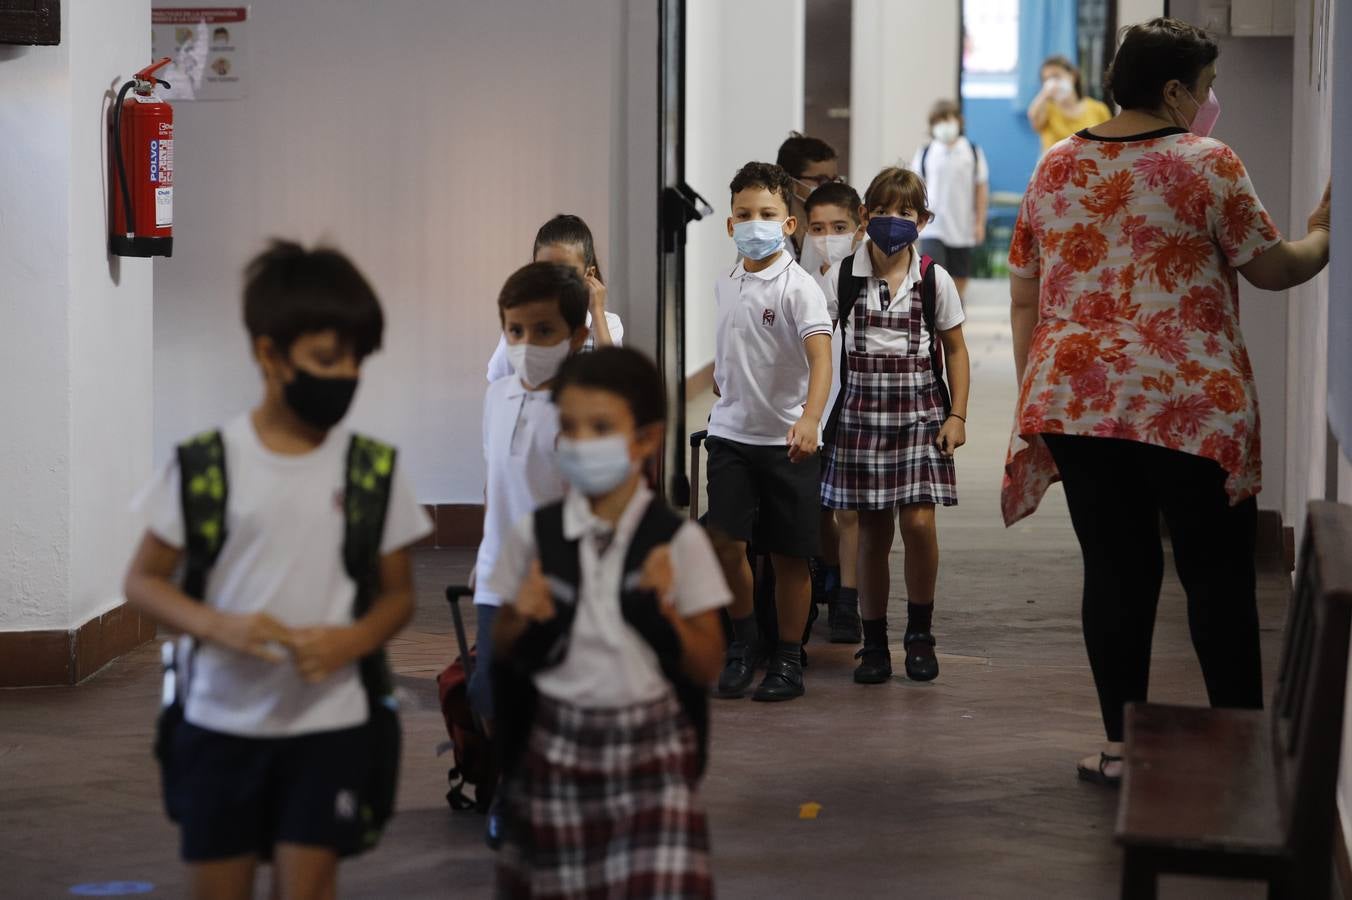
(803, 438)
(657, 576)
(534, 600)
(952, 435)
(597, 291)
(254, 634)
(319, 652)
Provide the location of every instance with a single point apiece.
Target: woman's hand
(1319, 219)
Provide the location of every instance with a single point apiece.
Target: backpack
(475, 764)
(976, 162)
(204, 491)
(545, 644)
(848, 288)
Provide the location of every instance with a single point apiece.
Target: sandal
(1100, 775)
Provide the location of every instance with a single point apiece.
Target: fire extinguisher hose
(128, 222)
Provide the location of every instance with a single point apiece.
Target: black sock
(875, 632)
(848, 597)
(919, 617)
(745, 630)
(830, 578)
(789, 651)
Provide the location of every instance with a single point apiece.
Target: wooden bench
(1244, 793)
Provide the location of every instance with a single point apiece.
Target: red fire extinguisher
(142, 147)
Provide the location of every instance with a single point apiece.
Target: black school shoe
(875, 665)
(921, 663)
(783, 681)
(739, 670)
(843, 616)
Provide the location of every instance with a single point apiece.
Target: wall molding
(699, 381)
(47, 658)
(1342, 864)
(455, 525)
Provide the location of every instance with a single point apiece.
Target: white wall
(1132, 12)
(739, 107)
(905, 57)
(75, 338)
(430, 141)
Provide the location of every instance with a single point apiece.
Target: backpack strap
(924, 159)
(976, 163)
(203, 491)
(367, 487)
(642, 611)
(929, 293)
(848, 288)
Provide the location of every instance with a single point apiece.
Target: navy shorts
(480, 686)
(241, 795)
(756, 493)
(956, 261)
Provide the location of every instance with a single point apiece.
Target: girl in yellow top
(1060, 109)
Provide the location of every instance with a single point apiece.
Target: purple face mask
(1207, 114)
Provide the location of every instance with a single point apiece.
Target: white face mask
(1062, 87)
(832, 248)
(537, 365)
(946, 131)
(596, 466)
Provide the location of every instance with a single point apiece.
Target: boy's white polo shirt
(760, 365)
(948, 312)
(952, 173)
(521, 429)
(283, 555)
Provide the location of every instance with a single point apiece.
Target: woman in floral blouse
(1137, 392)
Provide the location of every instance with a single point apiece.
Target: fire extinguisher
(142, 147)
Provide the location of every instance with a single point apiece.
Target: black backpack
(848, 288)
(545, 644)
(366, 496)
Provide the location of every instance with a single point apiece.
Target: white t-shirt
(500, 367)
(759, 361)
(282, 555)
(521, 429)
(951, 173)
(948, 311)
(609, 664)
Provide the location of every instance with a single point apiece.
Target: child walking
(833, 233)
(293, 535)
(957, 182)
(891, 455)
(542, 307)
(566, 239)
(605, 656)
(772, 371)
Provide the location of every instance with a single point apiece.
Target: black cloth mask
(320, 402)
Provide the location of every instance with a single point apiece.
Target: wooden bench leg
(1139, 878)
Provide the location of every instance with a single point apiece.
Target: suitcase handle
(454, 593)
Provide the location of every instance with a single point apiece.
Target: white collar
(863, 263)
(516, 389)
(579, 520)
(770, 272)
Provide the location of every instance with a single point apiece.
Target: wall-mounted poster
(207, 46)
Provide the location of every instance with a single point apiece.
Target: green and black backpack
(366, 497)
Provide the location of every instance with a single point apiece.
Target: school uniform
(952, 174)
(602, 801)
(883, 453)
(761, 370)
(264, 756)
(500, 367)
(520, 431)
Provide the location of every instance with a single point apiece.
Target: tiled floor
(959, 789)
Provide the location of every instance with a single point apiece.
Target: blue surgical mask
(892, 234)
(595, 466)
(758, 238)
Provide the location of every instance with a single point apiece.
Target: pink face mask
(1207, 114)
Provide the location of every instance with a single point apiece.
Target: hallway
(964, 788)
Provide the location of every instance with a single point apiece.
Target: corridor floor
(964, 788)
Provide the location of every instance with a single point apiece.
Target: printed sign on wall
(207, 46)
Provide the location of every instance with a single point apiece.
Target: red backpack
(475, 762)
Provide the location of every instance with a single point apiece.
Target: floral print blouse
(1135, 243)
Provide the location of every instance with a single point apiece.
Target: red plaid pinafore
(883, 454)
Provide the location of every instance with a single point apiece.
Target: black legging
(1116, 491)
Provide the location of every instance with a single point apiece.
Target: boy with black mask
(293, 534)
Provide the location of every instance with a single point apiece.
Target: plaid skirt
(883, 454)
(603, 806)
